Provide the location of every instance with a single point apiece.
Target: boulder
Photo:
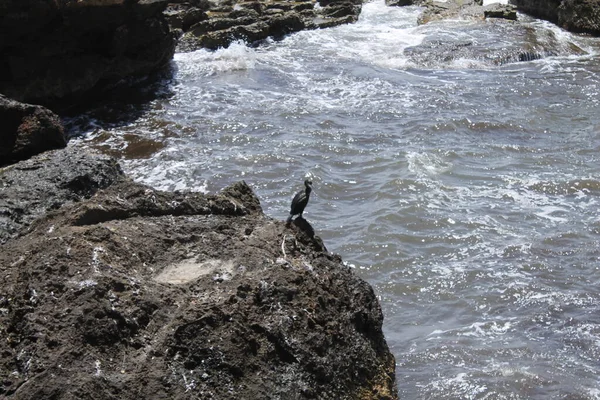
(58, 51)
(502, 11)
(136, 293)
(582, 16)
(27, 130)
(544, 9)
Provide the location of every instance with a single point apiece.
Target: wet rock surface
(56, 50)
(471, 46)
(532, 45)
(136, 293)
(464, 9)
(582, 16)
(27, 130)
(217, 24)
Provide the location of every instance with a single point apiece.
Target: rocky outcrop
(56, 50)
(27, 130)
(544, 9)
(136, 293)
(527, 44)
(582, 16)
(214, 25)
(32, 188)
(464, 9)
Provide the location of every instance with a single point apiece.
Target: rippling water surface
(462, 185)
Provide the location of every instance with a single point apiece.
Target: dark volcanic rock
(32, 188)
(53, 50)
(136, 293)
(544, 9)
(27, 130)
(221, 24)
(401, 3)
(581, 16)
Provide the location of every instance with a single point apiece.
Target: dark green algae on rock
(129, 292)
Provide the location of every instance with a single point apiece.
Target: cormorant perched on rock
(300, 201)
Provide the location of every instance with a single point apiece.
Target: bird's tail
(289, 219)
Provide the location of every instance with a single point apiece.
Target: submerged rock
(137, 293)
(56, 50)
(27, 130)
(472, 45)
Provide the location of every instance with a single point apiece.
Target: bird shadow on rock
(309, 238)
(304, 226)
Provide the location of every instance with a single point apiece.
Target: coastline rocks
(402, 3)
(544, 9)
(214, 25)
(136, 293)
(581, 16)
(54, 51)
(460, 49)
(465, 9)
(32, 188)
(27, 130)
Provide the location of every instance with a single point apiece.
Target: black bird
(300, 201)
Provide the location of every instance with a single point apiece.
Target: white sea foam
(461, 386)
(427, 164)
(237, 57)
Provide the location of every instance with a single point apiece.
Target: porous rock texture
(58, 49)
(32, 188)
(27, 130)
(135, 293)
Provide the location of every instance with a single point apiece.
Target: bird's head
(308, 183)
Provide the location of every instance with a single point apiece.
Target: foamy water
(462, 185)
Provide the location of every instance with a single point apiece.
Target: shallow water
(463, 185)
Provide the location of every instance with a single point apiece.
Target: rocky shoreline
(111, 289)
(61, 53)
